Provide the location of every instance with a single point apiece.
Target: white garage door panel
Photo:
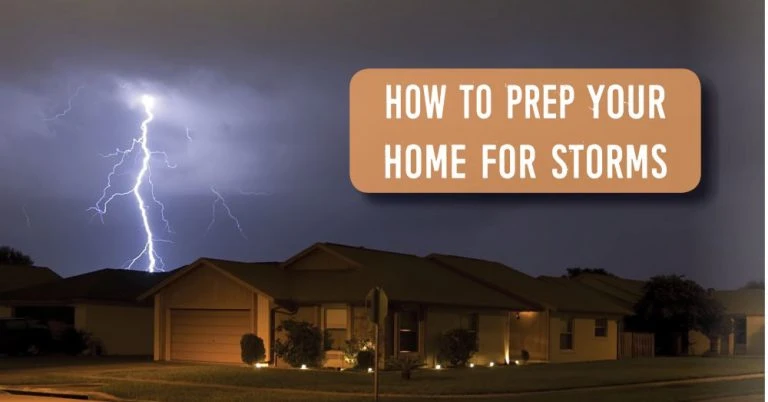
(208, 335)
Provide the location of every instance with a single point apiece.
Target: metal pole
(376, 364)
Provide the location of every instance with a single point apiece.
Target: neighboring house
(572, 324)
(19, 276)
(744, 307)
(202, 311)
(103, 303)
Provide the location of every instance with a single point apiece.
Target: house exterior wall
(756, 335)
(698, 343)
(125, 331)
(5, 311)
(586, 346)
(529, 331)
(491, 333)
(205, 288)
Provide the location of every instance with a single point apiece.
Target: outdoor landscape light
(438, 367)
(491, 364)
(303, 366)
(260, 365)
(517, 362)
(471, 365)
(370, 370)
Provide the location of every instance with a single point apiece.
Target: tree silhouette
(754, 285)
(12, 256)
(576, 271)
(673, 305)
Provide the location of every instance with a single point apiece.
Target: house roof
(102, 286)
(404, 277)
(19, 276)
(410, 278)
(742, 301)
(544, 293)
(626, 292)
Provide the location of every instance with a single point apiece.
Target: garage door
(208, 335)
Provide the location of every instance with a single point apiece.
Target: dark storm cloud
(262, 86)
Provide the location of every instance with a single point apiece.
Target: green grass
(680, 393)
(176, 382)
(464, 381)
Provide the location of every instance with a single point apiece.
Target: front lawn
(459, 381)
(688, 392)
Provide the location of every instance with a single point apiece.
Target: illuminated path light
(154, 262)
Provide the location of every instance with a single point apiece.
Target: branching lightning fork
(220, 200)
(141, 145)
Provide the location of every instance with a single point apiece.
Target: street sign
(377, 304)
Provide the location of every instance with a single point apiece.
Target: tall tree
(673, 305)
(754, 285)
(12, 256)
(576, 271)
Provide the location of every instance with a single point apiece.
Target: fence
(636, 344)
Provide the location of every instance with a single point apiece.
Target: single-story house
(102, 303)
(570, 323)
(745, 309)
(202, 310)
(20, 276)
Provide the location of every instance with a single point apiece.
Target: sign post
(377, 304)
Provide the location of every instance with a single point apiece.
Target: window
(566, 334)
(336, 323)
(601, 327)
(470, 322)
(408, 331)
(740, 331)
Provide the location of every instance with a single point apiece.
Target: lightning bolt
(68, 108)
(144, 154)
(187, 132)
(26, 216)
(220, 200)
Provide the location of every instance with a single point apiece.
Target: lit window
(601, 327)
(566, 334)
(336, 324)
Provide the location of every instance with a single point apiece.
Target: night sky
(262, 87)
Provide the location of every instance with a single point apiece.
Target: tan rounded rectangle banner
(525, 130)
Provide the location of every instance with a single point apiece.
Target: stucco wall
(205, 288)
(529, 332)
(756, 335)
(492, 334)
(586, 347)
(122, 330)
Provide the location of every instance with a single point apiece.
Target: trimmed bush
(456, 347)
(365, 359)
(74, 342)
(302, 344)
(252, 349)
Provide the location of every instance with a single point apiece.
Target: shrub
(456, 347)
(525, 356)
(74, 342)
(303, 344)
(252, 349)
(352, 349)
(365, 359)
(405, 364)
